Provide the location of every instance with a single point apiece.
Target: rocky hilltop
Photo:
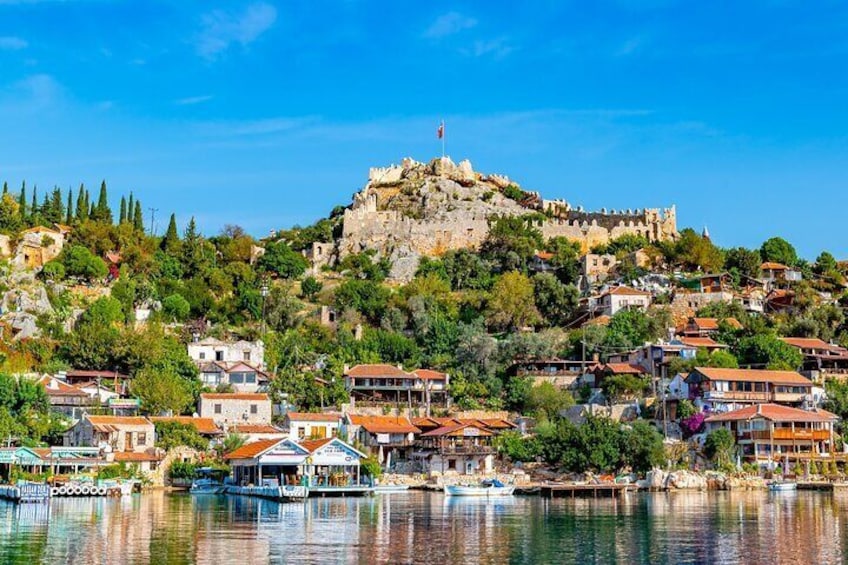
(419, 209)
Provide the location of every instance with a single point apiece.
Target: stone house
(597, 268)
(229, 409)
(120, 433)
(38, 245)
(464, 448)
(211, 349)
(389, 438)
(619, 298)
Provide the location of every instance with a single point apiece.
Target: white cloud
(449, 24)
(491, 47)
(222, 29)
(191, 100)
(255, 127)
(630, 46)
(11, 43)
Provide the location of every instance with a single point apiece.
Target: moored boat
(485, 488)
(206, 482)
(385, 489)
(782, 486)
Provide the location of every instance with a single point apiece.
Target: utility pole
(152, 218)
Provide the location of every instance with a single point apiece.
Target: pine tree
(103, 212)
(171, 241)
(69, 215)
(87, 205)
(56, 206)
(138, 217)
(22, 205)
(131, 210)
(92, 212)
(34, 212)
(82, 209)
(123, 217)
(5, 188)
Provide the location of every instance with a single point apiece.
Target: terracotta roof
(544, 255)
(624, 369)
(455, 430)
(384, 424)
(133, 456)
(55, 387)
(498, 424)
(113, 257)
(314, 416)
(700, 342)
(811, 343)
(625, 291)
(713, 323)
(771, 265)
(311, 445)
(118, 420)
(255, 429)
(202, 425)
(775, 413)
(234, 396)
(249, 450)
(599, 321)
(376, 370)
(429, 374)
(754, 375)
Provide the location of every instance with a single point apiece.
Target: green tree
(548, 400)
(768, 352)
(162, 390)
(778, 250)
(10, 215)
(22, 203)
(69, 209)
(310, 287)
(138, 218)
(122, 218)
(511, 305)
(281, 259)
(170, 434)
(102, 212)
(176, 308)
(556, 302)
(366, 297)
(80, 262)
(743, 261)
(512, 241)
(719, 446)
(82, 205)
(171, 242)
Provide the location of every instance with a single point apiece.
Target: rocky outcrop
(418, 209)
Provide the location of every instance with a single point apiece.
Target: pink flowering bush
(693, 424)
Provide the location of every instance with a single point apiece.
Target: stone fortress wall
(415, 209)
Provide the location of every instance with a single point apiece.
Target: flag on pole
(440, 133)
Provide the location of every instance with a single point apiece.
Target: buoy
(84, 490)
(54, 491)
(101, 491)
(76, 491)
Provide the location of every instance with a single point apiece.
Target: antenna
(152, 217)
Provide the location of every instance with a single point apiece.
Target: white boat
(486, 488)
(206, 482)
(782, 486)
(385, 489)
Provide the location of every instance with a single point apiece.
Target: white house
(228, 409)
(307, 425)
(619, 298)
(241, 375)
(211, 349)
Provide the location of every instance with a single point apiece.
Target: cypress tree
(87, 205)
(131, 210)
(5, 188)
(81, 208)
(69, 216)
(138, 217)
(22, 205)
(171, 241)
(57, 206)
(92, 212)
(33, 209)
(104, 213)
(123, 214)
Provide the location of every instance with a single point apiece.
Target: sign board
(471, 432)
(384, 438)
(335, 454)
(124, 403)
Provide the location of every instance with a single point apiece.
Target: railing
(787, 434)
(788, 397)
(467, 450)
(736, 395)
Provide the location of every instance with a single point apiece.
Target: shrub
(371, 467)
(53, 271)
(182, 470)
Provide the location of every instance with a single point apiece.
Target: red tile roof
(624, 369)
(250, 450)
(429, 374)
(775, 413)
(376, 370)
(713, 323)
(625, 291)
(314, 416)
(311, 445)
(772, 266)
(384, 424)
(811, 343)
(55, 387)
(202, 425)
(118, 420)
(457, 430)
(754, 375)
(234, 396)
(700, 342)
(95, 374)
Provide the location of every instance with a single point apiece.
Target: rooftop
(384, 424)
(314, 416)
(376, 370)
(754, 375)
(202, 425)
(253, 449)
(775, 413)
(234, 396)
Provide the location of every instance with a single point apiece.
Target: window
(217, 408)
(254, 409)
(247, 355)
(250, 378)
(142, 438)
(451, 464)
(236, 378)
(130, 444)
(301, 433)
(219, 356)
(202, 355)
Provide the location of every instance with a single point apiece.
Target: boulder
(686, 480)
(655, 479)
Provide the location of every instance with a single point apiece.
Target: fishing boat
(485, 488)
(782, 486)
(206, 482)
(387, 489)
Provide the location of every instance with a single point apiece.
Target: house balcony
(789, 397)
(737, 396)
(786, 434)
(467, 450)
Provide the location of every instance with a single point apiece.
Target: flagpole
(443, 139)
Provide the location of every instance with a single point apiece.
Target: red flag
(440, 133)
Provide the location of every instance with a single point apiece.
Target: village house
(66, 399)
(57, 460)
(227, 409)
(562, 373)
(257, 432)
(724, 390)
(596, 268)
(618, 298)
(38, 245)
(309, 425)
(242, 376)
(117, 382)
(603, 371)
(381, 384)
(119, 433)
(771, 433)
(822, 360)
(389, 438)
(777, 274)
(706, 327)
(203, 426)
(326, 465)
(652, 359)
(464, 448)
(209, 349)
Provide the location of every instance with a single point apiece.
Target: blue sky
(268, 114)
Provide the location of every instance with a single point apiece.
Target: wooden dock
(603, 490)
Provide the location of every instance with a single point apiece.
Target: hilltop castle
(415, 209)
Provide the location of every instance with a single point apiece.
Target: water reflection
(428, 528)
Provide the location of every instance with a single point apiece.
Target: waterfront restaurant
(57, 460)
(325, 463)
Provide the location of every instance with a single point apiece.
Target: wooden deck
(604, 490)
